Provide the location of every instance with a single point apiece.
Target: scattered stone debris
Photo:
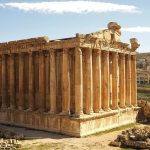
(137, 138)
(9, 144)
(144, 113)
(9, 139)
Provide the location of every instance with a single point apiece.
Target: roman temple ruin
(75, 86)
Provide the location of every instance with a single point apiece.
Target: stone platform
(77, 127)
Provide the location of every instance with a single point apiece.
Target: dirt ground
(40, 140)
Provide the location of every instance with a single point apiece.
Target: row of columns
(97, 81)
(97, 84)
(21, 105)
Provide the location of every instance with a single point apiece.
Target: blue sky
(22, 19)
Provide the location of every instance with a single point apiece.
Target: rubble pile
(9, 139)
(137, 138)
(9, 144)
(144, 112)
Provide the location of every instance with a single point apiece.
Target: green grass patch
(116, 129)
(143, 96)
(143, 92)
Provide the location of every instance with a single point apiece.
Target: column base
(107, 109)
(123, 107)
(3, 107)
(12, 107)
(51, 112)
(129, 105)
(40, 111)
(134, 105)
(89, 113)
(20, 108)
(78, 115)
(98, 111)
(65, 113)
(29, 109)
(115, 108)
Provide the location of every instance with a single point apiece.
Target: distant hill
(144, 56)
(143, 61)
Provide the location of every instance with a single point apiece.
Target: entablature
(107, 39)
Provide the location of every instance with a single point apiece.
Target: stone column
(122, 80)
(89, 82)
(128, 80)
(133, 81)
(31, 87)
(12, 81)
(65, 84)
(115, 80)
(52, 82)
(105, 81)
(47, 82)
(3, 81)
(41, 83)
(21, 82)
(78, 82)
(96, 80)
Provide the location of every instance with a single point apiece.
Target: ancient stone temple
(75, 86)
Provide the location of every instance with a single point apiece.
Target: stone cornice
(83, 41)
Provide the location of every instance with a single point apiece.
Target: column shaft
(115, 80)
(78, 82)
(3, 81)
(52, 82)
(105, 81)
(128, 80)
(65, 84)
(89, 82)
(97, 81)
(133, 81)
(21, 82)
(122, 80)
(12, 81)
(31, 87)
(41, 83)
(47, 82)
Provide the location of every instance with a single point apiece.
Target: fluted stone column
(128, 80)
(47, 83)
(96, 81)
(115, 80)
(89, 82)
(31, 87)
(21, 82)
(105, 81)
(133, 81)
(12, 81)
(41, 83)
(3, 81)
(122, 80)
(65, 84)
(52, 82)
(78, 82)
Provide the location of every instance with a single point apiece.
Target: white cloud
(71, 6)
(137, 29)
(2, 5)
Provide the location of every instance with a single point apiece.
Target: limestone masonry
(75, 86)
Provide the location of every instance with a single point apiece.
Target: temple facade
(75, 86)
